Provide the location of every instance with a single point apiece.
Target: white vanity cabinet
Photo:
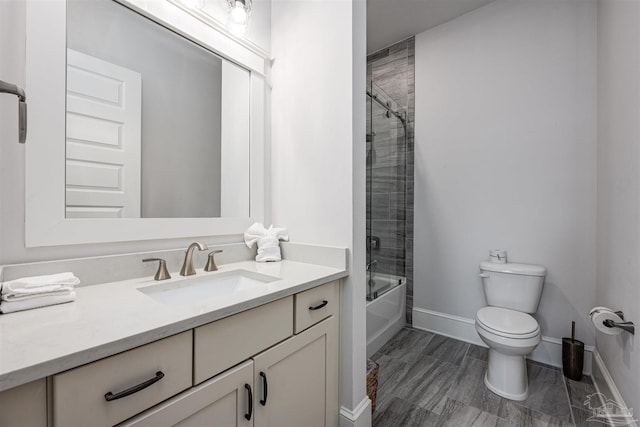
(290, 383)
(294, 384)
(272, 365)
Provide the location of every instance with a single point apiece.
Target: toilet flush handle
(484, 275)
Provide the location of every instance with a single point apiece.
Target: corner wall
(618, 238)
(505, 157)
(318, 154)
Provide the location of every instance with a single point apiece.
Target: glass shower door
(386, 192)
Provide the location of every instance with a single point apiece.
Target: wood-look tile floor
(431, 380)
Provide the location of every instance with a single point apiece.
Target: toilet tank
(514, 286)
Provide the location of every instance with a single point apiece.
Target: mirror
(156, 124)
(174, 201)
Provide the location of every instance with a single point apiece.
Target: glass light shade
(238, 17)
(238, 13)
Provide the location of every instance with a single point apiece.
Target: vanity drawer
(222, 344)
(316, 304)
(79, 394)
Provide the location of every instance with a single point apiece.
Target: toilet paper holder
(625, 326)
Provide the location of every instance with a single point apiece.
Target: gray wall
(506, 156)
(618, 281)
(181, 105)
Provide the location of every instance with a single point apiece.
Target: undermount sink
(196, 289)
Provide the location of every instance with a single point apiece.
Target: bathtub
(386, 312)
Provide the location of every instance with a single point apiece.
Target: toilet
(512, 292)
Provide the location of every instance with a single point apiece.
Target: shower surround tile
(393, 70)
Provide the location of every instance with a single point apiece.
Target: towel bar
(22, 108)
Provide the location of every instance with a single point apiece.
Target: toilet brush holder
(572, 356)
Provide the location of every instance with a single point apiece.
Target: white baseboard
(548, 352)
(360, 416)
(604, 383)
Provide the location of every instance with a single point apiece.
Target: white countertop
(110, 318)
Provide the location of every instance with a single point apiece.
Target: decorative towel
(36, 302)
(268, 241)
(37, 291)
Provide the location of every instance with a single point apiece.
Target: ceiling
(389, 21)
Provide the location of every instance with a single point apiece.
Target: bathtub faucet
(371, 264)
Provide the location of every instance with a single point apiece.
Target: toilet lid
(505, 322)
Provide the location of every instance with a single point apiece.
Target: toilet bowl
(510, 335)
(512, 292)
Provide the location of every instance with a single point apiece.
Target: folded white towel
(35, 302)
(268, 241)
(38, 286)
(9, 294)
(38, 281)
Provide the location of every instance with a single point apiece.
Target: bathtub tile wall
(393, 70)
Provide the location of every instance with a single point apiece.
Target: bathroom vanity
(120, 355)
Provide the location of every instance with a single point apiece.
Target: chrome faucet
(187, 266)
(371, 264)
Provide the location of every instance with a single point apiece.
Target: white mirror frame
(45, 222)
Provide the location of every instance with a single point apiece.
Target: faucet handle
(211, 263)
(162, 273)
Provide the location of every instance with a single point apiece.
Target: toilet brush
(572, 355)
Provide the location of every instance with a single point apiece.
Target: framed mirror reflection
(146, 123)
(155, 123)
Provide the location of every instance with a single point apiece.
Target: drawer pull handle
(265, 389)
(136, 388)
(248, 415)
(319, 306)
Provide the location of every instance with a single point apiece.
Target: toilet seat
(507, 323)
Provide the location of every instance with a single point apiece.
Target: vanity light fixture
(238, 15)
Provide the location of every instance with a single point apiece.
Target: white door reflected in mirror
(155, 123)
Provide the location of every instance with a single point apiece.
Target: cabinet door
(299, 385)
(220, 401)
(25, 405)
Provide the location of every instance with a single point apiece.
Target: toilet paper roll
(498, 256)
(601, 314)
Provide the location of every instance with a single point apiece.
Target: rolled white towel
(38, 286)
(268, 241)
(36, 302)
(268, 249)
